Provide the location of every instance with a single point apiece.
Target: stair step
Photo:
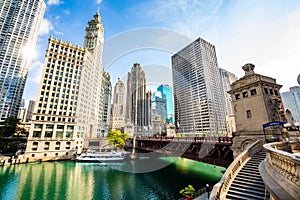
(250, 174)
(251, 168)
(255, 181)
(251, 165)
(243, 184)
(254, 161)
(248, 190)
(258, 157)
(237, 197)
(245, 195)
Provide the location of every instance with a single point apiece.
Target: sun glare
(29, 52)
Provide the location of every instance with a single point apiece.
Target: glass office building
(19, 26)
(198, 96)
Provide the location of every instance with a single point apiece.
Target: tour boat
(103, 157)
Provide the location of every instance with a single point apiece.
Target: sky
(264, 33)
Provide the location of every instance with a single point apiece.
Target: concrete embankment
(7, 161)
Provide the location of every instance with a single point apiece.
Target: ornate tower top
(248, 68)
(94, 33)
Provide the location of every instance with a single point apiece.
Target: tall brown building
(256, 100)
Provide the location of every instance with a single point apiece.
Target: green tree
(117, 138)
(188, 192)
(10, 126)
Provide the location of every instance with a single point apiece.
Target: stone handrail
(221, 188)
(284, 166)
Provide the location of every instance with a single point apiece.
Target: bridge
(212, 150)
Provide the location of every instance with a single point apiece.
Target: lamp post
(207, 190)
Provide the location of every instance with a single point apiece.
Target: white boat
(103, 157)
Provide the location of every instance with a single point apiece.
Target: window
(237, 96)
(248, 113)
(47, 144)
(36, 134)
(266, 90)
(276, 92)
(49, 126)
(38, 126)
(245, 94)
(271, 91)
(48, 134)
(253, 92)
(59, 134)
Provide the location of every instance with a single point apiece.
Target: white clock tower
(90, 106)
(94, 33)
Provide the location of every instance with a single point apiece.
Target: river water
(72, 180)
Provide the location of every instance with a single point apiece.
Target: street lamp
(207, 190)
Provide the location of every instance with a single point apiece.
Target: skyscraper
(106, 103)
(159, 113)
(71, 97)
(19, 25)
(119, 108)
(291, 101)
(138, 102)
(30, 110)
(167, 95)
(228, 78)
(198, 96)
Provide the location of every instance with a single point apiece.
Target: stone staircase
(248, 183)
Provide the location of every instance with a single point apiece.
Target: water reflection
(71, 180)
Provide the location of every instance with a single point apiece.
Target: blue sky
(265, 33)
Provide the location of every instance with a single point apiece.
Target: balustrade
(283, 167)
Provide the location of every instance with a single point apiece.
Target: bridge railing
(190, 139)
(221, 188)
(283, 166)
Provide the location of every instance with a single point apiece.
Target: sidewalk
(202, 197)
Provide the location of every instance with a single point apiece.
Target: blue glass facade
(167, 95)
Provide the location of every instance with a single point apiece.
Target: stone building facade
(256, 100)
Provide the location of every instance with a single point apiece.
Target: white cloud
(35, 72)
(264, 33)
(46, 27)
(269, 40)
(98, 1)
(54, 2)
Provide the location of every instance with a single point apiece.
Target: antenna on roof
(98, 9)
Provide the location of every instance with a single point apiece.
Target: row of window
(56, 47)
(49, 134)
(253, 92)
(47, 146)
(51, 126)
(245, 94)
(57, 119)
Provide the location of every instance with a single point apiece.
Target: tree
(117, 138)
(188, 192)
(10, 126)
